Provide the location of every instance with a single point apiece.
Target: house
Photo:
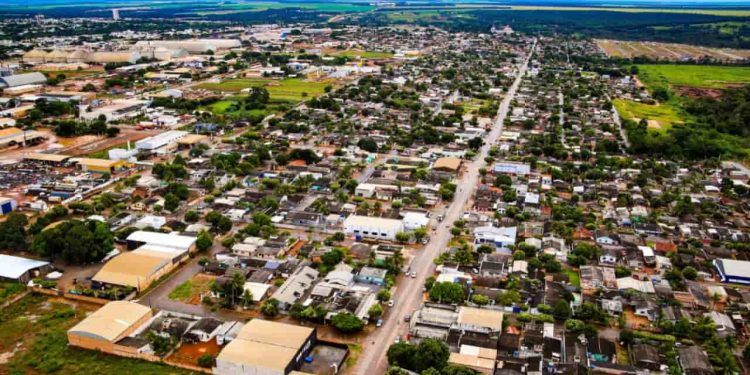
(371, 275)
(646, 356)
(203, 330)
(373, 227)
(21, 270)
(105, 329)
(499, 237)
(415, 220)
(447, 164)
(265, 347)
(295, 287)
(694, 361)
(481, 360)
(724, 325)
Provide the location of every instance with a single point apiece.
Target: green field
(33, 334)
(290, 89)
(666, 114)
(713, 12)
(702, 76)
(573, 277)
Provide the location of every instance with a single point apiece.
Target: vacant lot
(668, 51)
(291, 89)
(33, 340)
(191, 291)
(660, 117)
(699, 76)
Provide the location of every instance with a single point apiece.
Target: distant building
(22, 80)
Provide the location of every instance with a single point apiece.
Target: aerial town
(341, 198)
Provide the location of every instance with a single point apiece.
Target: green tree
(447, 292)
(402, 237)
(206, 361)
(347, 322)
(13, 232)
(480, 300)
(75, 241)
(561, 310)
(270, 307)
(375, 311)
(204, 241)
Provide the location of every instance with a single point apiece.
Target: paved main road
(408, 297)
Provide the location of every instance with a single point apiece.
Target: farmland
(33, 340)
(668, 51)
(699, 76)
(291, 89)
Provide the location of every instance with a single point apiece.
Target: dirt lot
(189, 353)
(668, 51)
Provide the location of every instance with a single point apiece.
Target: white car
(391, 303)
(413, 274)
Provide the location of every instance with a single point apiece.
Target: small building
(371, 275)
(694, 361)
(113, 322)
(733, 271)
(373, 227)
(447, 164)
(7, 205)
(266, 347)
(18, 269)
(481, 360)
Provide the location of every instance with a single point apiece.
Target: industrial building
(190, 45)
(111, 324)
(160, 140)
(39, 56)
(10, 137)
(34, 78)
(21, 270)
(373, 227)
(266, 347)
(136, 269)
(177, 243)
(117, 110)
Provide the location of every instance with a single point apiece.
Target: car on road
(398, 339)
(379, 323)
(414, 274)
(391, 303)
(425, 241)
(407, 317)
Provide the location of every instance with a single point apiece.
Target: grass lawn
(702, 76)
(8, 290)
(289, 89)
(34, 331)
(665, 114)
(575, 278)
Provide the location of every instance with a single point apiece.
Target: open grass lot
(700, 76)
(290, 89)
(665, 115)
(362, 54)
(574, 277)
(33, 340)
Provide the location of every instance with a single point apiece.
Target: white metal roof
(13, 267)
(163, 239)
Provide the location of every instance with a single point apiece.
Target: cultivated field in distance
(668, 51)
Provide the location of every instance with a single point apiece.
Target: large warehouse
(373, 227)
(733, 271)
(160, 140)
(266, 347)
(22, 79)
(136, 269)
(105, 327)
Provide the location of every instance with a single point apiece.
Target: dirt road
(408, 297)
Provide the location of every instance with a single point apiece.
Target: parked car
(379, 323)
(391, 303)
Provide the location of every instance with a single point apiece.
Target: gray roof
(22, 79)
